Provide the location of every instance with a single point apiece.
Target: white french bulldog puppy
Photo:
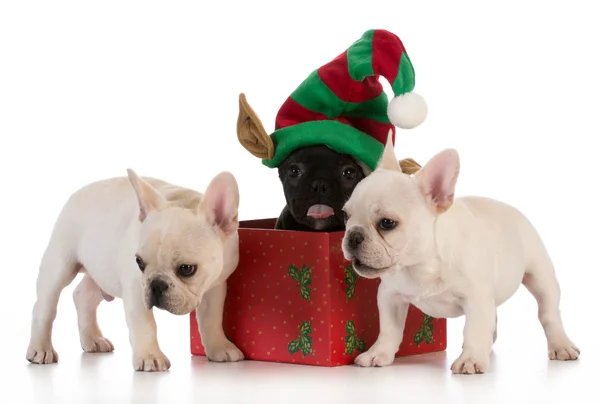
(447, 257)
(150, 243)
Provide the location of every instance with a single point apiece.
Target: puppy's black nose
(354, 239)
(320, 187)
(157, 288)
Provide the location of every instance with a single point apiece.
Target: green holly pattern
(426, 331)
(352, 341)
(350, 276)
(303, 277)
(304, 342)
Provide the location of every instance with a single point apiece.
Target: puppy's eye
(387, 224)
(349, 173)
(294, 171)
(140, 263)
(345, 216)
(186, 270)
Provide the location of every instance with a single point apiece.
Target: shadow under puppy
(448, 257)
(332, 129)
(151, 243)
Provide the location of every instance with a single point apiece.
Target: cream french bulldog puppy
(151, 243)
(447, 257)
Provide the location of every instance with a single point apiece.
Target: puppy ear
(251, 133)
(388, 159)
(437, 179)
(221, 201)
(149, 199)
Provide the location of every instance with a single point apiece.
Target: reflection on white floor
(520, 371)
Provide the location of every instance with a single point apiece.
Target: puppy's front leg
(478, 333)
(392, 317)
(210, 324)
(147, 355)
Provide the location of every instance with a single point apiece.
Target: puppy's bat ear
(221, 202)
(437, 179)
(251, 133)
(388, 159)
(409, 166)
(149, 199)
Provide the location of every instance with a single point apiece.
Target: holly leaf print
(305, 279)
(293, 272)
(350, 344)
(350, 277)
(305, 344)
(294, 346)
(305, 292)
(418, 338)
(350, 327)
(428, 334)
(305, 328)
(426, 331)
(360, 345)
(352, 341)
(350, 292)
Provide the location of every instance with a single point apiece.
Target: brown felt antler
(251, 133)
(409, 166)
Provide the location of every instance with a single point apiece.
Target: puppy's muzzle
(320, 187)
(355, 239)
(158, 287)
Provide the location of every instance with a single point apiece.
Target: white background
(88, 89)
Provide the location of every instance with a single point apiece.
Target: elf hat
(342, 105)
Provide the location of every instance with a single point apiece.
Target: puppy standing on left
(150, 243)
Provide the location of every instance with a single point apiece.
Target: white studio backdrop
(88, 89)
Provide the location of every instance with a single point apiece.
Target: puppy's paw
(375, 357)
(42, 354)
(563, 351)
(96, 343)
(224, 352)
(154, 361)
(469, 363)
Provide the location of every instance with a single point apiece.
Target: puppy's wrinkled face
(390, 216)
(180, 251)
(180, 256)
(317, 181)
(388, 224)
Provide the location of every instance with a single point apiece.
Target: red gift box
(294, 298)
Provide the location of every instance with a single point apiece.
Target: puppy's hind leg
(541, 281)
(87, 296)
(57, 270)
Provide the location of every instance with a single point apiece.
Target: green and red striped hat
(342, 104)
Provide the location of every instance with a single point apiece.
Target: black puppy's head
(317, 181)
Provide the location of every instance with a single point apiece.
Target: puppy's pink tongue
(320, 211)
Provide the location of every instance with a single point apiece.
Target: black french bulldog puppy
(317, 181)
